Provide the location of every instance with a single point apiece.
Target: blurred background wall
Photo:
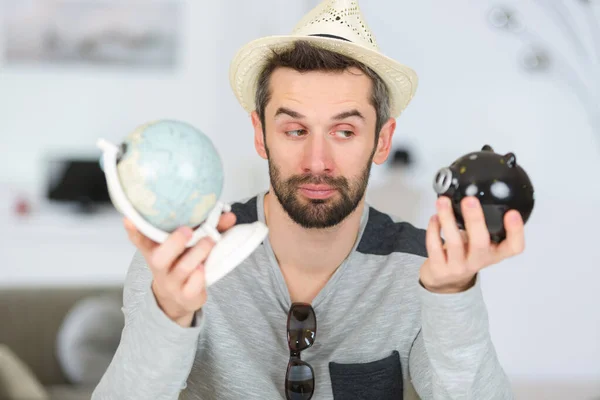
(474, 89)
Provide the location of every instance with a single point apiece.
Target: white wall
(542, 304)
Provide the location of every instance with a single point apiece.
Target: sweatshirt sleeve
(155, 355)
(453, 357)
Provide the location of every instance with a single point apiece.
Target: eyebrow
(348, 114)
(338, 117)
(287, 111)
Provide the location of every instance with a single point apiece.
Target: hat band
(326, 35)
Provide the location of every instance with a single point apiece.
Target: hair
(304, 57)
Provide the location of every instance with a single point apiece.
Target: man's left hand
(453, 266)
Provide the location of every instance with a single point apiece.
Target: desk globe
(167, 174)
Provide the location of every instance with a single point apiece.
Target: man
(340, 301)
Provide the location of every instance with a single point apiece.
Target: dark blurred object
(77, 181)
(496, 180)
(402, 157)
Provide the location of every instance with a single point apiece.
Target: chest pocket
(381, 379)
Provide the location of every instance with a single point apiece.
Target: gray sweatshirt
(380, 334)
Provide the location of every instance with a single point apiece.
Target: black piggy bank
(496, 180)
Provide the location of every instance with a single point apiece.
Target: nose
(317, 157)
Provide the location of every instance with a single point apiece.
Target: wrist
(180, 317)
(185, 321)
(451, 288)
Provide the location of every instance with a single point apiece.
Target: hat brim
(249, 61)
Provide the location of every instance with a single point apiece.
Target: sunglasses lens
(299, 381)
(302, 327)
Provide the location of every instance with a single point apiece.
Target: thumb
(226, 221)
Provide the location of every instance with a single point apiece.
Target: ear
(384, 144)
(259, 140)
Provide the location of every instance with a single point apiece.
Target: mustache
(335, 182)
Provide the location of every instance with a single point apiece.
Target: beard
(319, 213)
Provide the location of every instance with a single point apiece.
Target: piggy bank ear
(511, 159)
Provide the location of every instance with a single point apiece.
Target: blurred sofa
(55, 342)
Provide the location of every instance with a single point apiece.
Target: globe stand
(231, 248)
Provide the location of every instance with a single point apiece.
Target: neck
(309, 252)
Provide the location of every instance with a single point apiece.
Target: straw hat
(336, 25)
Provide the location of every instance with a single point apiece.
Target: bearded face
(318, 201)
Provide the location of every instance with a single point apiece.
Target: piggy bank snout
(444, 181)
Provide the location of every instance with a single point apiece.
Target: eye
(344, 134)
(296, 133)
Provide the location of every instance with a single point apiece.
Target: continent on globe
(134, 185)
(202, 207)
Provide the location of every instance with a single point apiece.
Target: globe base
(235, 245)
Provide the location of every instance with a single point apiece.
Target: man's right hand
(178, 272)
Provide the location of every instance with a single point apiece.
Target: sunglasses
(301, 332)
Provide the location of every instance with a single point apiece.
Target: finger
(167, 253)
(194, 287)
(455, 252)
(465, 237)
(478, 253)
(226, 221)
(433, 242)
(514, 243)
(144, 244)
(190, 261)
